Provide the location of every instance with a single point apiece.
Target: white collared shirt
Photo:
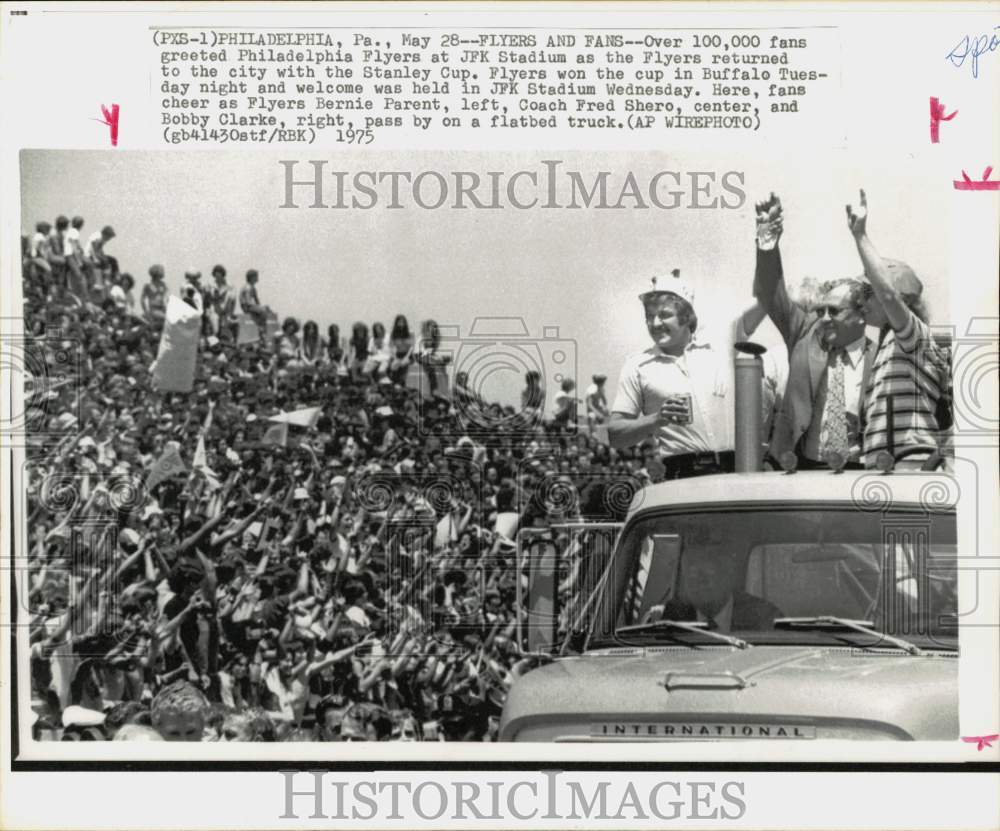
(854, 370)
(701, 372)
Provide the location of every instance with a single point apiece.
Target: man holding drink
(677, 393)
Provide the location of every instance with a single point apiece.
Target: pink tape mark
(937, 116)
(111, 119)
(981, 741)
(984, 184)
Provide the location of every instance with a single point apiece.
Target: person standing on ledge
(677, 393)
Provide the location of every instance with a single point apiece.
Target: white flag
(173, 369)
(305, 417)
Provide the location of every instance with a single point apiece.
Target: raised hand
(857, 221)
(769, 222)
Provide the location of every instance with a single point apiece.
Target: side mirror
(559, 583)
(537, 593)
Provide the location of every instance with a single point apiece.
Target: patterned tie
(833, 435)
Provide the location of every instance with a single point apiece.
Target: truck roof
(868, 490)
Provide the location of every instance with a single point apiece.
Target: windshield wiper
(698, 626)
(829, 621)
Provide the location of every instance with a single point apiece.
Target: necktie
(833, 435)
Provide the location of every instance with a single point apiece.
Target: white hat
(672, 284)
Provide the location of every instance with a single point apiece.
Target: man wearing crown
(677, 394)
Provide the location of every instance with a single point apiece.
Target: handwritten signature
(970, 49)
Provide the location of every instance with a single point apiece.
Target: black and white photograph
(588, 413)
(597, 471)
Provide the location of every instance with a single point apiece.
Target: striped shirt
(910, 367)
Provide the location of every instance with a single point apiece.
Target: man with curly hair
(179, 711)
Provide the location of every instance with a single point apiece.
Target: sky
(571, 276)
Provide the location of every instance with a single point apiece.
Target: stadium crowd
(200, 571)
(308, 537)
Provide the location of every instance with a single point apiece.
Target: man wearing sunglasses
(829, 358)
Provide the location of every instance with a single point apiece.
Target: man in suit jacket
(708, 591)
(829, 358)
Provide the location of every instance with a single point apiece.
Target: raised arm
(202, 532)
(769, 289)
(748, 322)
(242, 526)
(331, 659)
(895, 309)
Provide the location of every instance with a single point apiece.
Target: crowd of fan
(194, 576)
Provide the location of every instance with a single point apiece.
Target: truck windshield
(738, 571)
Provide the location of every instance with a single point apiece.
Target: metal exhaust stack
(749, 371)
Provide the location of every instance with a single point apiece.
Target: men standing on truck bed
(829, 358)
(678, 392)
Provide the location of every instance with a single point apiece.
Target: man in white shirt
(678, 392)
(40, 247)
(74, 254)
(597, 402)
(94, 252)
(73, 238)
(95, 258)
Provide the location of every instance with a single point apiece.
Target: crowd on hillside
(240, 529)
(200, 571)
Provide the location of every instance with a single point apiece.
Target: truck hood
(680, 693)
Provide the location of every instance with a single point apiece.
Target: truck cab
(772, 606)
